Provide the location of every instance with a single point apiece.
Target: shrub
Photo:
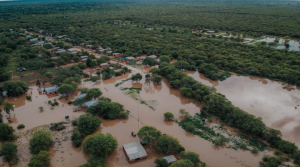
(220, 140)
(49, 102)
(8, 151)
(182, 163)
(76, 138)
(41, 108)
(190, 127)
(56, 103)
(255, 150)
(75, 122)
(169, 116)
(42, 159)
(168, 144)
(193, 157)
(40, 141)
(123, 115)
(21, 126)
(6, 132)
(28, 97)
(88, 123)
(69, 102)
(277, 152)
(161, 162)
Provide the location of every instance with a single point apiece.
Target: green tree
(193, 157)
(147, 76)
(49, 75)
(106, 109)
(137, 77)
(149, 134)
(76, 59)
(79, 101)
(8, 107)
(38, 83)
(76, 138)
(157, 78)
(168, 144)
(182, 163)
(42, 159)
(93, 93)
(168, 116)
(89, 62)
(66, 89)
(15, 88)
(40, 141)
(6, 132)
(88, 123)
(164, 59)
(161, 162)
(8, 151)
(150, 61)
(100, 145)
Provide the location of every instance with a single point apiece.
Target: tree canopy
(40, 141)
(149, 134)
(88, 123)
(6, 132)
(41, 159)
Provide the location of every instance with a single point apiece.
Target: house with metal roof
(60, 51)
(71, 50)
(89, 103)
(51, 90)
(209, 32)
(153, 56)
(170, 159)
(130, 58)
(134, 151)
(104, 65)
(80, 96)
(83, 57)
(33, 40)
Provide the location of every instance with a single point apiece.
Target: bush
(277, 152)
(6, 132)
(75, 122)
(88, 123)
(94, 78)
(108, 144)
(41, 108)
(220, 140)
(168, 116)
(76, 138)
(168, 144)
(193, 157)
(189, 127)
(161, 162)
(149, 134)
(49, 102)
(40, 141)
(28, 97)
(296, 157)
(69, 102)
(42, 159)
(56, 103)
(8, 151)
(255, 150)
(21, 126)
(123, 115)
(182, 163)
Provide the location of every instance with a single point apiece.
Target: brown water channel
(163, 99)
(275, 102)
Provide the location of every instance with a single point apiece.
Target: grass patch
(137, 90)
(132, 63)
(120, 83)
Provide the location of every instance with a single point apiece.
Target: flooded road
(160, 96)
(275, 102)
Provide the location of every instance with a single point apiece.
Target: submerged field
(168, 99)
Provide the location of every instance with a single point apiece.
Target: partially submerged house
(80, 96)
(89, 103)
(51, 90)
(104, 65)
(134, 151)
(170, 159)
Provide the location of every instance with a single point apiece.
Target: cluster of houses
(135, 151)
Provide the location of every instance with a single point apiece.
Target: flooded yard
(162, 97)
(275, 102)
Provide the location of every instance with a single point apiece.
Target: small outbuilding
(51, 90)
(134, 151)
(104, 65)
(117, 54)
(71, 50)
(153, 56)
(80, 96)
(130, 58)
(210, 32)
(170, 159)
(83, 57)
(89, 103)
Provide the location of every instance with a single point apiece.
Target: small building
(210, 32)
(82, 44)
(130, 58)
(83, 60)
(40, 56)
(51, 90)
(117, 54)
(41, 43)
(71, 50)
(170, 159)
(83, 57)
(34, 40)
(60, 51)
(89, 46)
(80, 96)
(28, 36)
(89, 103)
(134, 151)
(101, 50)
(104, 65)
(108, 52)
(153, 56)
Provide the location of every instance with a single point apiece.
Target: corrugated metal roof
(80, 96)
(104, 64)
(134, 150)
(152, 56)
(51, 89)
(170, 158)
(89, 103)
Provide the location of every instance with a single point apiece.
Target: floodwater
(160, 96)
(275, 102)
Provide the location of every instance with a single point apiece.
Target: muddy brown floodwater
(275, 102)
(160, 96)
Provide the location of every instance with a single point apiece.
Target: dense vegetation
(217, 104)
(6, 132)
(40, 141)
(41, 159)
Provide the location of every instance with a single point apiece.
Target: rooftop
(90, 103)
(170, 158)
(80, 96)
(134, 150)
(104, 64)
(71, 49)
(51, 89)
